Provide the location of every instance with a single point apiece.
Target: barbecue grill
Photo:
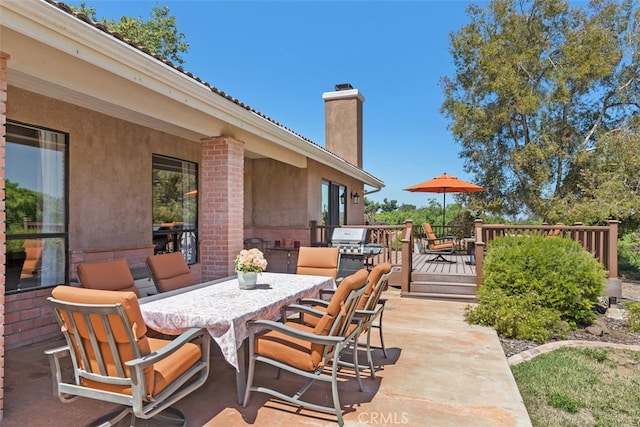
(354, 248)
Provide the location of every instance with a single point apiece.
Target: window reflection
(35, 188)
(175, 207)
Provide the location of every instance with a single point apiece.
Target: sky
(279, 57)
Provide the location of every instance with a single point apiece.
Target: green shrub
(633, 315)
(629, 255)
(537, 288)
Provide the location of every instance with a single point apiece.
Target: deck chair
(114, 361)
(318, 261)
(113, 275)
(170, 271)
(308, 351)
(438, 245)
(556, 231)
(370, 308)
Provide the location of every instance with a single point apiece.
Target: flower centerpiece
(249, 263)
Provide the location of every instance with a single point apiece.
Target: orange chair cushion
(33, 250)
(170, 271)
(107, 275)
(433, 238)
(373, 279)
(169, 369)
(289, 350)
(318, 261)
(304, 354)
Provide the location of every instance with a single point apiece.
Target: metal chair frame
(83, 317)
(370, 315)
(449, 241)
(339, 338)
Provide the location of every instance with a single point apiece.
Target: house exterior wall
(318, 172)
(109, 176)
(278, 194)
(109, 197)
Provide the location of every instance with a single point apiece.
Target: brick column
(221, 227)
(4, 58)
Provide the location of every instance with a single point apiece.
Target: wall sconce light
(355, 198)
(342, 198)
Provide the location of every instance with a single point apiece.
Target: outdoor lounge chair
(113, 275)
(318, 261)
(437, 245)
(114, 361)
(370, 308)
(556, 231)
(170, 271)
(309, 351)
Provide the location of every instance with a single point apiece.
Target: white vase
(247, 280)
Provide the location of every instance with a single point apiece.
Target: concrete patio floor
(440, 371)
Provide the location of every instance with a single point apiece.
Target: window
(36, 207)
(175, 207)
(334, 211)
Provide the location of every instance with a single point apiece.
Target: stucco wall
(278, 194)
(109, 169)
(318, 172)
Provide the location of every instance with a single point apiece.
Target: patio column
(221, 225)
(4, 58)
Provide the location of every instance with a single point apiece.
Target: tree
(159, 34)
(608, 182)
(388, 205)
(537, 85)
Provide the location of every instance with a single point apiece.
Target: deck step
(439, 296)
(443, 278)
(444, 288)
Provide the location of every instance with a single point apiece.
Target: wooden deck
(454, 280)
(461, 264)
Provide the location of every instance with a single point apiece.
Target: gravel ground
(615, 330)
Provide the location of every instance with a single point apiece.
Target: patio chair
(170, 271)
(33, 262)
(438, 245)
(370, 308)
(556, 231)
(307, 351)
(115, 361)
(318, 261)
(113, 275)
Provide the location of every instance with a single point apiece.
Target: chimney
(343, 122)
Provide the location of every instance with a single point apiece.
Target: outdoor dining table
(224, 309)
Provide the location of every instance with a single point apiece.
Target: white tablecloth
(224, 309)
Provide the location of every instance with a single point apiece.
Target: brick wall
(221, 205)
(28, 319)
(4, 58)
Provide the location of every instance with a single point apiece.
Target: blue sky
(279, 57)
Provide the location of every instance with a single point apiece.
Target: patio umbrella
(444, 184)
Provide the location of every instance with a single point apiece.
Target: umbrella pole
(444, 207)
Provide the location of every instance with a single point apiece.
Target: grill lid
(349, 236)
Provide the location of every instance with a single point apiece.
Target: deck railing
(600, 241)
(389, 236)
(398, 242)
